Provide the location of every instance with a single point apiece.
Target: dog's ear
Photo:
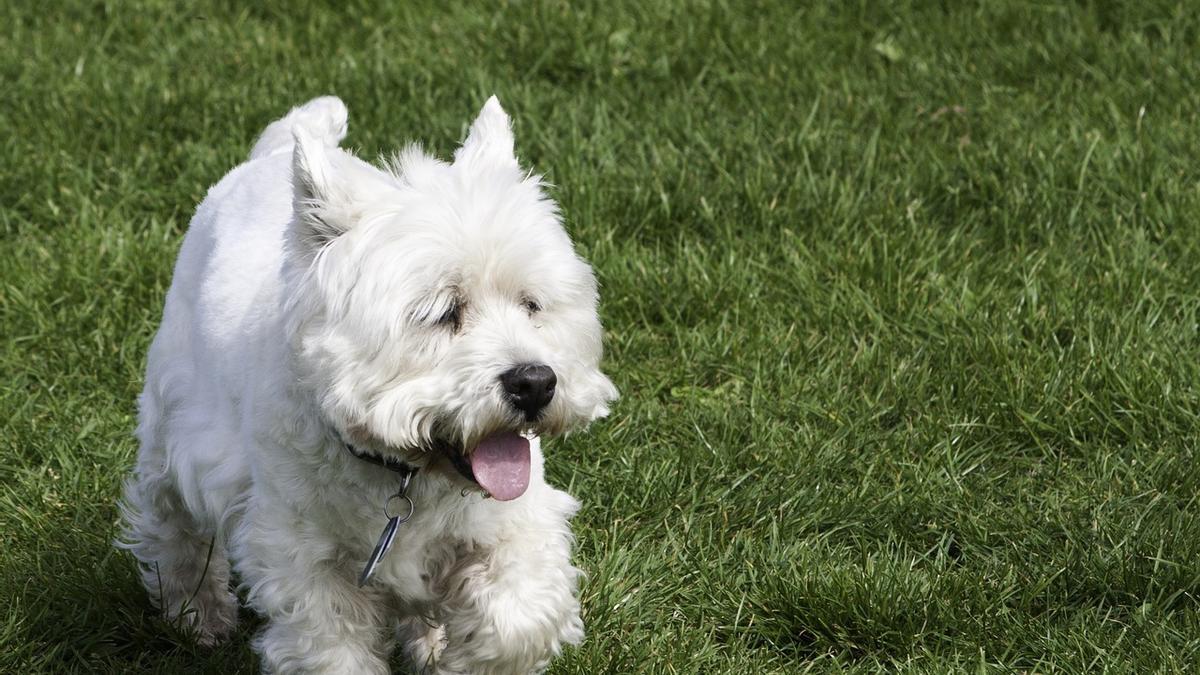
(490, 140)
(313, 191)
(323, 195)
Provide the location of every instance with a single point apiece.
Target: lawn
(902, 303)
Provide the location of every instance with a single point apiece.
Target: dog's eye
(452, 318)
(531, 306)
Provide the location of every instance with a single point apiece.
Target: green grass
(902, 303)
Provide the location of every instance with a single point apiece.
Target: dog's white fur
(304, 313)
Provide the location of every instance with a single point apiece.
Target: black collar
(405, 469)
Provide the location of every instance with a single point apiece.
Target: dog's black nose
(529, 386)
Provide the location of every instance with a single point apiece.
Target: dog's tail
(323, 118)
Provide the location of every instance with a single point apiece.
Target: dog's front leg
(508, 609)
(318, 620)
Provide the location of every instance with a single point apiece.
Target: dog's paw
(217, 627)
(209, 621)
(423, 643)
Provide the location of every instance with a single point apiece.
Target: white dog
(341, 345)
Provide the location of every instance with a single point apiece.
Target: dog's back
(192, 468)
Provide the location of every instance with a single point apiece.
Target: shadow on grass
(89, 613)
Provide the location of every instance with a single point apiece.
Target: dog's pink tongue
(501, 465)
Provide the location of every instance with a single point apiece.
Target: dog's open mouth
(499, 464)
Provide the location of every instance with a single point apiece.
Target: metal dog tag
(386, 538)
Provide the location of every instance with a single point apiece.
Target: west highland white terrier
(345, 400)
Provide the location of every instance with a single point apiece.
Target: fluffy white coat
(318, 301)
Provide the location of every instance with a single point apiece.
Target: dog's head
(438, 310)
